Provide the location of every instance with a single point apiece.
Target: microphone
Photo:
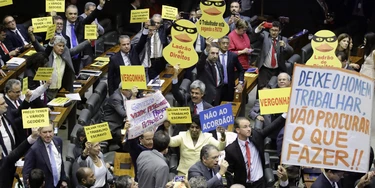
(20, 184)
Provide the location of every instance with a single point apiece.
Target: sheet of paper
(73, 96)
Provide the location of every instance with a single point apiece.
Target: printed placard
(43, 73)
(91, 31)
(133, 76)
(55, 5)
(179, 115)
(50, 31)
(217, 116)
(41, 24)
(140, 15)
(274, 101)
(36, 117)
(4, 3)
(169, 12)
(212, 23)
(329, 119)
(25, 85)
(98, 132)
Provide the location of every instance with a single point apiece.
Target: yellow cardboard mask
(181, 49)
(212, 23)
(324, 43)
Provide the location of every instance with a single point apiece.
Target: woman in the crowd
(345, 45)
(239, 43)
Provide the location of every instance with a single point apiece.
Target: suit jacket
(12, 41)
(204, 73)
(198, 169)
(116, 61)
(322, 182)
(203, 43)
(233, 153)
(189, 151)
(69, 74)
(281, 52)
(232, 26)
(131, 28)
(4, 57)
(135, 149)
(152, 169)
(37, 157)
(6, 178)
(233, 65)
(114, 111)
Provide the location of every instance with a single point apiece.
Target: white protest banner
(329, 119)
(146, 113)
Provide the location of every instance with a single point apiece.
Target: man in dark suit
(86, 177)
(59, 22)
(235, 9)
(5, 53)
(12, 92)
(249, 145)
(210, 72)
(328, 178)
(46, 154)
(17, 36)
(275, 49)
(127, 56)
(232, 69)
(208, 167)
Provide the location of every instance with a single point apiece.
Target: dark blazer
(6, 178)
(232, 64)
(116, 61)
(281, 52)
(16, 113)
(114, 112)
(4, 57)
(322, 182)
(233, 153)
(135, 149)
(203, 43)
(198, 169)
(129, 28)
(204, 73)
(12, 41)
(37, 157)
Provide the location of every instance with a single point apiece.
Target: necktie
(53, 165)
(12, 142)
(4, 48)
(333, 185)
(195, 109)
(155, 45)
(59, 77)
(73, 38)
(16, 102)
(248, 156)
(273, 58)
(211, 173)
(224, 63)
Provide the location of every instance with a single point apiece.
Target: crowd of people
(204, 159)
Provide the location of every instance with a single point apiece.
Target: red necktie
(273, 59)
(4, 48)
(195, 109)
(248, 156)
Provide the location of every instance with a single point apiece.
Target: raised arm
(79, 48)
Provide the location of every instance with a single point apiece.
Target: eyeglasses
(216, 3)
(187, 29)
(327, 39)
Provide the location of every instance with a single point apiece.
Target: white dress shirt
(198, 44)
(15, 103)
(57, 157)
(256, 169)
(125, 59)
(69, 33)
(199, 107)
(19, 33)
(5, 136)
(267, 61)
(156, 45)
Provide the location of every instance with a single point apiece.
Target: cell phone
(178, 178)
(267, 25)
(184, 15)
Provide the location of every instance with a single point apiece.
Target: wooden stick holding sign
(98, 132)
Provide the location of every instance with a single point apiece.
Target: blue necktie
(53, 166)
(74, 38)
(224, 63)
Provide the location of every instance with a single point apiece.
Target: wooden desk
(167, 85)
(236, 108)
(59, 119)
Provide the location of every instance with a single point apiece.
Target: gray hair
(157, 15)
(197, 84)
(206, 149)
(222, 38)
(71, 6)
(123, 181)
(288, 76)
(89, 4)
(198, 182)
(10, 83)
(59, 39)
(237, 186)
(123, 37)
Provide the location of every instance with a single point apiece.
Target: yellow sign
(169, 12)
(50, 31)
(43, 73)
(4, 3)
(30, 53)
(25, 85)
(324, 43)
(105, 59)
(55, 5)
(181, 50)
(212, 23)
(91, 31)
(37, 117)
(41, 24)
(133, 76)
(273, 101)
(179, 115)
(139, 16)
(98, 132)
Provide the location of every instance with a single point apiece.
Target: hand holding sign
(35, 132)
(223, 167)
(281, 173)
(176, 68)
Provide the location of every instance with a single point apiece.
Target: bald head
(283, 80)
(85, 176)
(237, 186)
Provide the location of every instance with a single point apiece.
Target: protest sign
(41, 24)
(169, 12)
(212, 23)
(6, 3)
(55, 5)
(146, 113)
(91, 31)
(98, 132)
(25, 85)
(133, 76)
(324, 43)
(36, 117)
(50, 31)
(329, 119)
(273, 101)
(179, 115)
(217, 116)
(139, 16)
(181, 50)
(43, 73)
